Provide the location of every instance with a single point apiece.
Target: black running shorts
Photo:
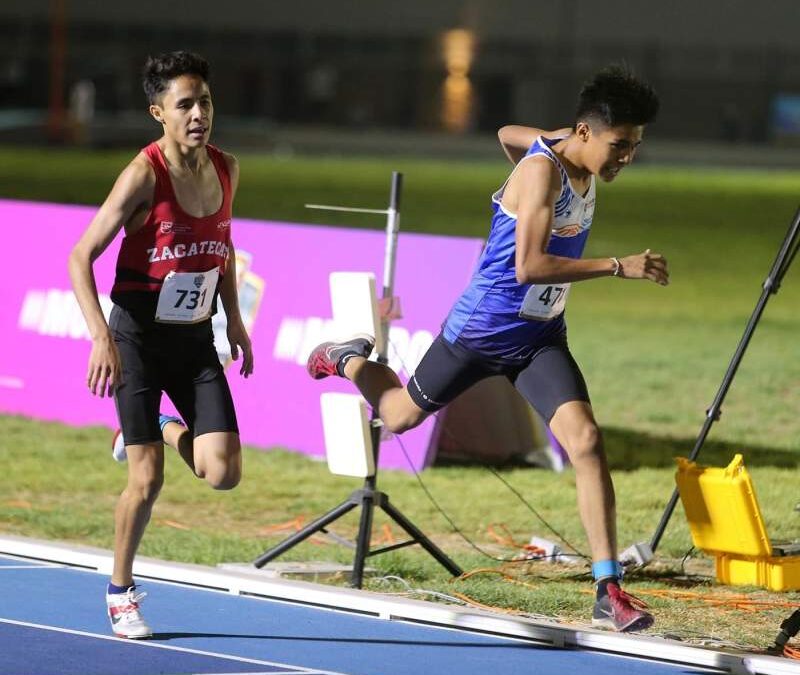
(548, 379)
(178, 360)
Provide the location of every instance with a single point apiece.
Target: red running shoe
(621, 611)
(329, 358)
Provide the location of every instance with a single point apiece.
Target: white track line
(26, 564)
(147, 643)
(30, 567)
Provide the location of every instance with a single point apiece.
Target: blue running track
(52, 622)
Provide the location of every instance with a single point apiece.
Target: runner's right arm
(130, 196)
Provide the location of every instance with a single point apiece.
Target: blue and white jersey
(497, 316)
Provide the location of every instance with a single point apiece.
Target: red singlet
(170, 239)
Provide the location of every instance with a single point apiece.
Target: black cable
(685, 558)
(536, 513)
(458, 531)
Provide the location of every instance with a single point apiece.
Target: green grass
(654, 358)
(59, 483)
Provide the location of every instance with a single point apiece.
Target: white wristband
(617, 267)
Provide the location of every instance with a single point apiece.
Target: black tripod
(369, 497)
(789, 628)
(772, 283)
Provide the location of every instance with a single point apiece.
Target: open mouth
(197, 132)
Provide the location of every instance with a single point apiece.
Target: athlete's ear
(157, 113)
(583, 131)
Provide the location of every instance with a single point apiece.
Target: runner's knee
(145, 472)
(585, 445)
(219, 461)
(399, 412)
(398, 421)
(224, 478)
(145, 485)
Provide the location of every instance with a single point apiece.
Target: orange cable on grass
(493, 570)
(480, 605)
(526, 550)
(506, 539)
(19, 503)
(725, 601)
(791, 652)
(479, 570)
(386, 535)
(174, 524)
(295, 524)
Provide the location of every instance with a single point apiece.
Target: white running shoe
(118, 447)
(126, 619)
(118, 451)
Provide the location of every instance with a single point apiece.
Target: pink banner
(284, 293)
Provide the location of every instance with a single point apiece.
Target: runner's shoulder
(138, 174)
(537, 170)
(230, 160)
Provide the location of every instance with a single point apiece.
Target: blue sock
(113, 590)
(606, 572)
(163, 420)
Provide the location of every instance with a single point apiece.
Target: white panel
(355, 304)
(345, 424)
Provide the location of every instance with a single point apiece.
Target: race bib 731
(187, 297)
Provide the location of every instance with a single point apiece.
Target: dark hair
(159, 70)
(616, 96)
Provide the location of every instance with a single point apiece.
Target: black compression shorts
(178, 360)
(548, 379)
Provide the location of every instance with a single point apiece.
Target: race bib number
(186, 297)
(543, 303)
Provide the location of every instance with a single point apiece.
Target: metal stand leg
(367, 498)
(416, 534)
(318, 525)
(363, 539)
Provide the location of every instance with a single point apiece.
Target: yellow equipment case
(725, 521)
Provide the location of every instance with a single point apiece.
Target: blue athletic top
(500, 318)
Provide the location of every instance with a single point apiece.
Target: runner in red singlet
(174, 202)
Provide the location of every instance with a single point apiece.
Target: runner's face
(611, 149)
(186, 110)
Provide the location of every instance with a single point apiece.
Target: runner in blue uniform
(510, 319)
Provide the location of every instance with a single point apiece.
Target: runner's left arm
(537, 185)
(516, 139)
(229, 293)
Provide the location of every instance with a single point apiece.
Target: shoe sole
(639, 623)
(134, 637)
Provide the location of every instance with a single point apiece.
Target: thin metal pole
(371, 482)
(390, 256)
(770, 286)
(389, 260)
(346, 209)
